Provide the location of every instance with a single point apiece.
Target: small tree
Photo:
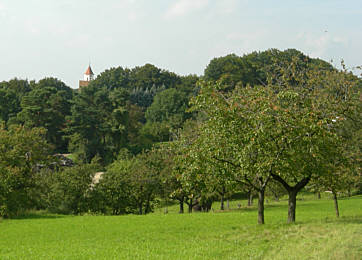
(130, 184)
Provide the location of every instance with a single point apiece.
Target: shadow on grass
(248, 208)
(345, 220)
(332, 220)
(355, 197)
(37, 216)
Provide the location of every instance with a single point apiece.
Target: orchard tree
(313, 109)
(188, 170)
(239, 135)
(284, 130)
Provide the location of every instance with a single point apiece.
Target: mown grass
(216, 235)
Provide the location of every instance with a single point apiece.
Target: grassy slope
(229, 235)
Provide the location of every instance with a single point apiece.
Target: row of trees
(297, 129)
(267, 123)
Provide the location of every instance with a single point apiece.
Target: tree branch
(281, 181)
(226, 161)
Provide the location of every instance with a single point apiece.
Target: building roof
(89, 71)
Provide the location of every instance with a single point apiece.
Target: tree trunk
(292, 203)
(292, 191)
(148, 205)
(140, 208)
(319, 195)
(222, 202)
(250, 198)
(276, 198)
(275, 194)
(261, 206)
(166, 209)
(190, 206)
(181, 206)
(335, 203)
(227, 205)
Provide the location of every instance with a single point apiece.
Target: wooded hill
(266, 122)
(128, 108)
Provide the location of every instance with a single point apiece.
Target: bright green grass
(229, 235)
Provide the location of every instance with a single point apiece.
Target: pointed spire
(89, 71)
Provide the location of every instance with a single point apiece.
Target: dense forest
(266, 123)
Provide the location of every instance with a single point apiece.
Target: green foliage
(130, 184)
(108, 115)
(188, 85)
(149, 75)
(230, 70)
(288, 129)
(98, 123)
(113, 78)
(67, 190)
(167, 113)
(10, 96)
(144, 97)
(112, 193)
(169, 105)
(101, 119)
(21, 152)
(254, 68)
(142, 83)
(47, 105)
(9, 104)
(272, 114)
(19, 86)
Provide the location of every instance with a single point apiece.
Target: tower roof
(89, 71)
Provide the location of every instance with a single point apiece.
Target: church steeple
(88, 75)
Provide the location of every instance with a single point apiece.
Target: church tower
(88, 76)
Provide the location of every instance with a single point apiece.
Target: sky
(59, 38)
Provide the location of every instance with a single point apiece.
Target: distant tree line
(266, 123)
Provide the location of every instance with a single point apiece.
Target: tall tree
(11, 93)
(98, 123)
(167, 113)
(47, 105)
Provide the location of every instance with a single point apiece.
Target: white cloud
(323, 45)
(316, 44)
(183, 7)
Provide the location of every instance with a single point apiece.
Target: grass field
(215, 235)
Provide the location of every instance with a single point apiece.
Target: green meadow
(233, 234)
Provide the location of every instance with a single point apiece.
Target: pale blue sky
(57, 38)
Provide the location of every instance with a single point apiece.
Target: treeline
(272, 122)
(122, 108)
